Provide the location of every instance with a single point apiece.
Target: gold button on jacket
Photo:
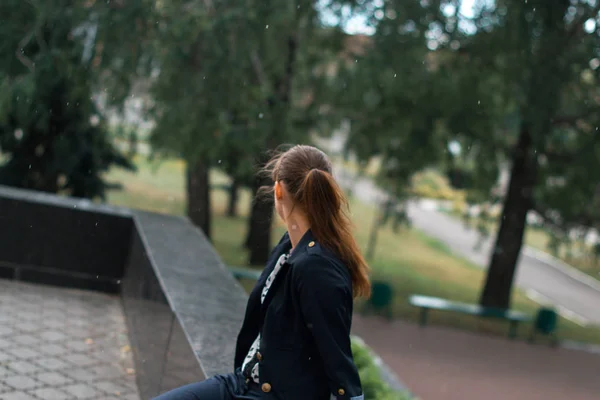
(266, 387)
(259, 356)
(341, 392)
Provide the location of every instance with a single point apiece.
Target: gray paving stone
(112, 388)
(53, 349)
(29, 316)
(5, 372)
(6, 330)
(26, 339)
(26, 326)
(22, 352)
(23, 367)
(80, 374)
(53, 324)
(52, 336)
(52, 363)
(62, 344)
(5, 357)
(78, 345)
(53, 379)
(50, 394)
(21, 382)
(4, 388)
(18, 396)
(82, 391)
(80, 359)
(4, 342)
(107, 371)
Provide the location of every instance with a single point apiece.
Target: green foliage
(51, 132)
(538, 69)
(431, 184)
(374, 387)
(389, 94)
(232, 80)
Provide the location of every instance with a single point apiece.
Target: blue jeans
(220, 387)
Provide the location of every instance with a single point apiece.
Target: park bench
(426, 303)
(245, 273)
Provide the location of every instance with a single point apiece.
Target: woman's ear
(278, 191)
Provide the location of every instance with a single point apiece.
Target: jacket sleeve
(325, 298)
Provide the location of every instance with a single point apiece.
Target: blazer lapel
(274, 285)
(284, 245)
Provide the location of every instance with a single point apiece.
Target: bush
(374, 387)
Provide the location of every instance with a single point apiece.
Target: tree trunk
(370, 254)
(517, 203)
(258, 240)
(233, 198)
(198, 196)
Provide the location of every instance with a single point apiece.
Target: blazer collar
(301, 246)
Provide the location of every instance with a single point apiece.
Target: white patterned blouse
(250, 364)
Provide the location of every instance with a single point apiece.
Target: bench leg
(512, 333)
(423, 318)
(532, 334)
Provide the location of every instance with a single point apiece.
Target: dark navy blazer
(305, 348)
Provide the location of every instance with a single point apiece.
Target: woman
(295, 339)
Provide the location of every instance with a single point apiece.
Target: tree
(191, 102)
(388, 90)
(284, 56)
(50, 127)
(529, 76)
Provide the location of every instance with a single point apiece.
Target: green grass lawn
(411, 261)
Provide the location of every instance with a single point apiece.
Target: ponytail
(327, 210)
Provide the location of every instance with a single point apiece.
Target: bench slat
(465, 308)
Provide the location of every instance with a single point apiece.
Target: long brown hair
(307, 174)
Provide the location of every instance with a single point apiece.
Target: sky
(358, 25)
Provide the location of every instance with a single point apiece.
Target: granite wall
(183, 308)
(61, 241)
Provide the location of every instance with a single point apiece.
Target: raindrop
(96, 223)
(219, 162)
(260, 115)
(266, 26)
(478, 102)
(118, 282)
(29, 166)
(74, 205)
(97, 276)
(394, 75)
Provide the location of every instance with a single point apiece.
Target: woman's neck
(297, 227)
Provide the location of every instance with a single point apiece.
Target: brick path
(445, 364)
(61, 344)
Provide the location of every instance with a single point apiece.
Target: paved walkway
(62, 344)
(444, 364)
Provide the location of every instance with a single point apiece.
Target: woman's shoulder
(317, 262)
